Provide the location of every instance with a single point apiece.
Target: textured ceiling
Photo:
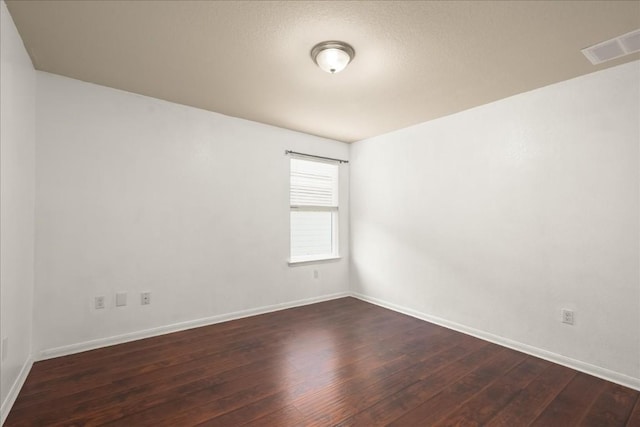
(415, 61)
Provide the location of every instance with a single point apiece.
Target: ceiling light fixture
(332, 56)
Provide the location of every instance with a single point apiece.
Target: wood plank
(634, 418)
(191, 408)
(133, 399)
(612, 408)
(351, 355)
(253, 411)
(119, 400)
(343, 399)
(568, 408)
(165, 345)
(342, 361)
(321, 311)
(531, 401)
(429, 412)
(434, 378)
(484, 405)
(203, 405)
(288, 416)
(237, 348)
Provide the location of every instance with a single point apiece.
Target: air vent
(631, 42)
(614, 48)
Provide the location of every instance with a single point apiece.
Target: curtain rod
(317, 157)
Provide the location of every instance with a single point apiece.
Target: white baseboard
(15, 389)
(176, 327)
(578, 365)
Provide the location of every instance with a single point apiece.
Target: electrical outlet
(121, 299)
(567, 316)
(145, 298)
(98, 302)
(5, 348)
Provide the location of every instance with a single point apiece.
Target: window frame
(335, 216)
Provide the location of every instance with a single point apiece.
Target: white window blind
(314, 209)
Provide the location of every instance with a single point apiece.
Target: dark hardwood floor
(342, 362)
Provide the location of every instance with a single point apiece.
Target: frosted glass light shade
(332, 60)
(333, 56)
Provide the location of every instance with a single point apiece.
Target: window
(314, 210)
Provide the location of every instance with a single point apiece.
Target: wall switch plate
(316, 274)
(121, 299)
(145, 298)
(98, 302)
(567, 316)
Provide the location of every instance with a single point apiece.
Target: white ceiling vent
(631, 41)
(614, 48)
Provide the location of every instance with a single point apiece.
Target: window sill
(299, 261)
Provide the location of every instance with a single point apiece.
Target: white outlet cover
(568, 316)
(99, 303)
(145, 298)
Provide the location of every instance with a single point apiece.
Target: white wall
(497, 217)
(17, 140)
(137, 194)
